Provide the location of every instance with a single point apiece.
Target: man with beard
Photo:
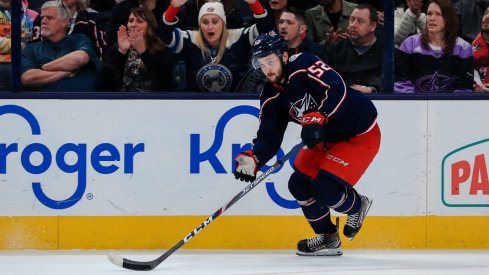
(481, 56)
(59, 62)
(328, 21)
(339, 131)
(359, 58)
(470, 13)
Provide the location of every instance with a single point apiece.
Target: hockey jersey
(203, 74)
(310, 85)
(430, 70)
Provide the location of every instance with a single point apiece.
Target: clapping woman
(139, 61)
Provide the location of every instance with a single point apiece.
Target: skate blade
(323, 252)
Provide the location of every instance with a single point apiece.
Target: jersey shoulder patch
(294, 57)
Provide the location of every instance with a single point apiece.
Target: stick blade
(116, 259)
(130, 264)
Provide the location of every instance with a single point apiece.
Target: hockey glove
(313, 128)
(247, 165)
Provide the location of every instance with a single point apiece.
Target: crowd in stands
(204, 45)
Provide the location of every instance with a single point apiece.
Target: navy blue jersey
(310, 85)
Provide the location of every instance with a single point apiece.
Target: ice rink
(232, 262)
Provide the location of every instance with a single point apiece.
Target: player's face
(360, 27)
(137, 24)
(272, 67)
(211, 27)
(434, 19)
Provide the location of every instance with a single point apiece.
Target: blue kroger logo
(104, 152)
(210, 155)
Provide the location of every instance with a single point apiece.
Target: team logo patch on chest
(214, 78)
(302, 105)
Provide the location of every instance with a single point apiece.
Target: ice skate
(354, 222)
(327, 244)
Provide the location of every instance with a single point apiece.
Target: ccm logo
(337, 160)
(311, 119)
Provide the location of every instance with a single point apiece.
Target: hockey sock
(316, 214)
(336, 195)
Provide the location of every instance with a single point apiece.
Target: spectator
(28, 17)
(215, 57)
(436, 60)
(139, 62)
(470, 13)
(328, 21)
(189, 13)
(481, 56)
(359, 58)
(409, 19)
(82, 19)
(293, 28)
(121, 11)
(59, 62)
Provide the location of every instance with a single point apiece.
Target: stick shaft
(136, 265)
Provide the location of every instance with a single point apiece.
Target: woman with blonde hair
(215, 57)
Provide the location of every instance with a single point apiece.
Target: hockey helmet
(265, 44)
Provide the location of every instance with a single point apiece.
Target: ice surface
(232, 262)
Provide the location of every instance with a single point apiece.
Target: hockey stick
(150, 265)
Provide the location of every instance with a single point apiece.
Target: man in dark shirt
(59, 62)
(359, 58)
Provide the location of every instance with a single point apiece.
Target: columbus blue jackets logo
(214, 78)
(300, 106)
(434, 83)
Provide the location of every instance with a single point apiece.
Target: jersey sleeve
(272, 127)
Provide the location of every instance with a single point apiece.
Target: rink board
(135, 174)
(234, 232)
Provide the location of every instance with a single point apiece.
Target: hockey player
(339, 130)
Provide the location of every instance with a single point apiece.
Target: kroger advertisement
(175, 157)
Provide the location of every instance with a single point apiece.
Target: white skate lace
(352, 220)
(315, 241)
